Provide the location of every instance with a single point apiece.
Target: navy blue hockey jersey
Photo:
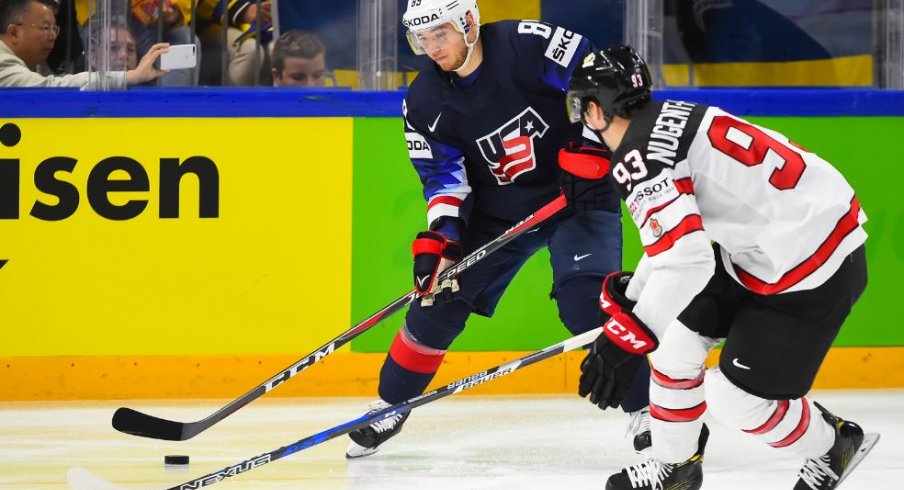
(495, 135)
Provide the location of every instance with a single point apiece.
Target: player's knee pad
(578, 300)
(731, 404)
(681, 353)
(438, 325)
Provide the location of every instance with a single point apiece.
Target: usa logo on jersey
(509, 150)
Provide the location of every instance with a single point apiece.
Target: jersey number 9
(749, 145)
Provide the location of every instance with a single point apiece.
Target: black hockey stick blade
(136, 423)
(130, 421)
(133, 422)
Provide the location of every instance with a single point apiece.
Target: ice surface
(522, 443)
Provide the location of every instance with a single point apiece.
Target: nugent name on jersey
(659, 143)
(667, 132)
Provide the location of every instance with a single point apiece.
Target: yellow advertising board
(150, 236)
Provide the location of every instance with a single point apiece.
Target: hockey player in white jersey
(747, 237)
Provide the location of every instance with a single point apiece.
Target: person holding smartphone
(28, 31)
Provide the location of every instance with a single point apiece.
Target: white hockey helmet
(423, 15)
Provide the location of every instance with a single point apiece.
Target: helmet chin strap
(599, 132)
(470, 49)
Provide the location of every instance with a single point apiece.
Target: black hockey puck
(175, 459)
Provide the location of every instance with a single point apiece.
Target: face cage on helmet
(576, 102)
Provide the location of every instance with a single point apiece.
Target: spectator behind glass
(122, 46)
(240, 16)
(29, 32)
(176, 30)
(299, 60)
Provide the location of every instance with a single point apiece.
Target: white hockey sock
(791, 426)
(677, 398)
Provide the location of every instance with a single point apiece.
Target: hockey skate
(656, 475)
(639, 430)
(830, 469)
(367, 441)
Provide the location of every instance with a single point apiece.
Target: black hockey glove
(434, 253)
(607, 373)
(615, 356)
(583, 180)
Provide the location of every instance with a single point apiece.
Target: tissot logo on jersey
(509, 150)
(649, 196)
(667, 131)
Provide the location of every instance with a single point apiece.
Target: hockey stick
(137, 423)
(79, 481)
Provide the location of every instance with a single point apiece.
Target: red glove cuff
(612, 298)
(428, 242)
(630, 334)
(431, 242)
(585, 162)
(429, 249)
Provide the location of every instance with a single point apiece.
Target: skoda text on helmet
(617, 79)
(423, 16)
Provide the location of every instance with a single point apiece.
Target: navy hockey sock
(638, 395)
(408, 369)
(399, 384)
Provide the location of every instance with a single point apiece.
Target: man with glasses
(28, 31)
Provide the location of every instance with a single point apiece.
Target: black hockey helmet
(615, 78)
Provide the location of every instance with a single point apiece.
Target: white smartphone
(179, 56)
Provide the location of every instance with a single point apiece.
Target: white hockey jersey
(783, 217)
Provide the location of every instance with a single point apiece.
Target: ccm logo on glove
(627, 332)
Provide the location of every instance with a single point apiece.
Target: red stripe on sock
(801, 428)
(777, 416)
(415, 357)
(677, 415)
(676, 384)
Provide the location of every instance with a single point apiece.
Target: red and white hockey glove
(434, 253)
(583, 184)
(613, 298)
(615, 356)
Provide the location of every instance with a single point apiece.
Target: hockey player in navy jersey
(484, 124)
(788, 266)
